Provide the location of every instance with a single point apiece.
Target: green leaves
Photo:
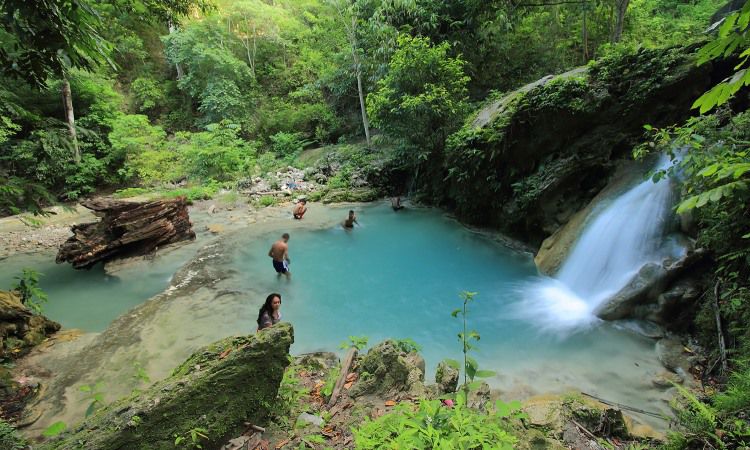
(731, 36)
(54, 429)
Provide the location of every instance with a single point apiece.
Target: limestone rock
(310, 419)
(665, 380)
(671, 354)
(446, 378)
(213, 390)
(478, 398)
(651, 279)
(392, 373)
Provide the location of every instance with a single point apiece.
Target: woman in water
(269, 314)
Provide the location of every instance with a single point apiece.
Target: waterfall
(617, 240)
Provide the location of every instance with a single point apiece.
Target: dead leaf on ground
(281, 444)
(390, 403)
(225, 353)
(352, 377)
(348, 385)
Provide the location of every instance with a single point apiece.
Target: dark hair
(267, 308)
(351, 211)
(285, 236)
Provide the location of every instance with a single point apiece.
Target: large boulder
(446, 378)
(527, 160)
(214, 392)
(648, 297)
(388, 372)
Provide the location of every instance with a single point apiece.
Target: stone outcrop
(528, 160)
(647, 296)
(446, 378)
(214, 392)
(20, 328)
(391, 373)
(126, 229)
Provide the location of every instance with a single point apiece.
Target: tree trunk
(358, 73)
(180, 72)
(70, 119)
(585, 37)
(621, 6)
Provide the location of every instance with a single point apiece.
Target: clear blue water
(90, 299)
(398, 275)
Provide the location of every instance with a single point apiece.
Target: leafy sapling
(471, 367)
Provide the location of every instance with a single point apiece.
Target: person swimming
(350, 221)
(396, 203)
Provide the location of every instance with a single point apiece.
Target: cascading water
(617, 241)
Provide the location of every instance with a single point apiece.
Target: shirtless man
(299, 209)
(350, 221)
(280, 254)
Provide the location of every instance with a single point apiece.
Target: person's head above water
(270, 306)
(351, 213)
(285, 237)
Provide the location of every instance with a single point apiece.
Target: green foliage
(330, 382)
(192, 438)
(424, 96)
(736, 396)
(267, 200)
(28, 288)
(54, 429)
(732, 37)
(432, 425)
(358, 342)
(10, 439)
(94, 395)
(287, 145)
(408, 345)
(471, 366)
(291, 391)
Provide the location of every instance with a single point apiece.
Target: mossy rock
(525, 162)
(392, 373)
(20, 328)
(215, 391)
(350, 195)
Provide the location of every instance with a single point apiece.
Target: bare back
(279, 251)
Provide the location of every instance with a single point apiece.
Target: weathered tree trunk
(70, 118)
(351, 31)
(621, 6)
(178, 67)
(585, 37)
(126, 229)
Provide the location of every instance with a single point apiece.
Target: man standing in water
(300, 209)
(280, 254)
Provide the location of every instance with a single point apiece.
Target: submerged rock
(390, 373)
(215, 391)
(651, 279)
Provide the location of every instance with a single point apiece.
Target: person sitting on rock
(269, 314)
(300, 209)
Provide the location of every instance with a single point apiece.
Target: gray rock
(392, 373)
(478, 398)
(671, 354)
(446, 378)
(651, 280)
(310, 419)
(665, 380)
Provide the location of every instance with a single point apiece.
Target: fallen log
(126, 229)
(348, 360)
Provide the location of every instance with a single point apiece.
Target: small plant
(192, 438)
(28, 287)
(95, 395)
(408, 345)
(54, 429)
(432, 425)
(9, 437)
(471, 367)
(267, 200)
(289, 396)
(358, 342)
(330, 382)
